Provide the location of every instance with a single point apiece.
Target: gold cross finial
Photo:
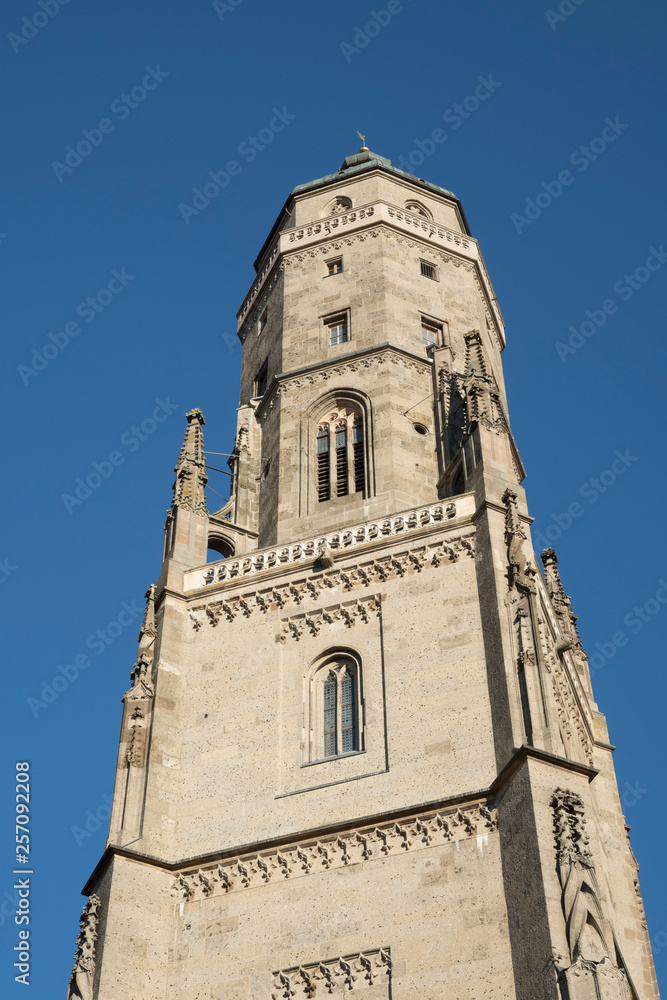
(364, 148)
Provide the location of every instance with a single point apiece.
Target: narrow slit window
(347, 714)
(330, 706)
(358, 456)
(341, 462)
(259, 387)
(323, 465)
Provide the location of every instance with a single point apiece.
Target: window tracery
(418, 209)
(341, 463)
(335, 707)
(339, 204)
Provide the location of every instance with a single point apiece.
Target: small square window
(259, 385)
(263, 319)
(337, 329)
(431, 334)
(429, 270)
(334, 266)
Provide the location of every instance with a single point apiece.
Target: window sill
(338, 756)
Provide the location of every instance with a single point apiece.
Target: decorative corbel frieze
(338, 851)
(349, 613)
(334, 975)
(355, 577)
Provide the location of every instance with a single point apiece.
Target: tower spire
(186, 527)
(561, 601)
(190, 468)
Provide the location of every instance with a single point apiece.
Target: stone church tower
(360, 753)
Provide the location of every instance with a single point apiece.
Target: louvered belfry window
(341, 456)
(341, 461)
(358, 455)
(323, 464)
(339, 706)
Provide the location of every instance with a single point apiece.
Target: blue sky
(159, 334)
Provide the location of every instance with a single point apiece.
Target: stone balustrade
(227, 570)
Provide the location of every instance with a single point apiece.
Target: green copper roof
(352, 166)
(367, 160)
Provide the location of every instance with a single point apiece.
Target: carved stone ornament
(354, 577)
(591, 971)
(136, 748)
(482, 398)
(521, 572)
(586, 980)
(83, 972)
(349, 613)
(338, 851)
(141, 677)
(561, 602)
(571, 704)
(334, 975)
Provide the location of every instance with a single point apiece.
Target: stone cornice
(466, 801)
(343, 363)
(379, 213)
(423, 553)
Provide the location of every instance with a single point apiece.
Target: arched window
(341, 462)
(338, 205)
(335, 708)
(418, 209)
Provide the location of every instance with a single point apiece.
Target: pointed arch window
(336, 709)
(341, 454)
